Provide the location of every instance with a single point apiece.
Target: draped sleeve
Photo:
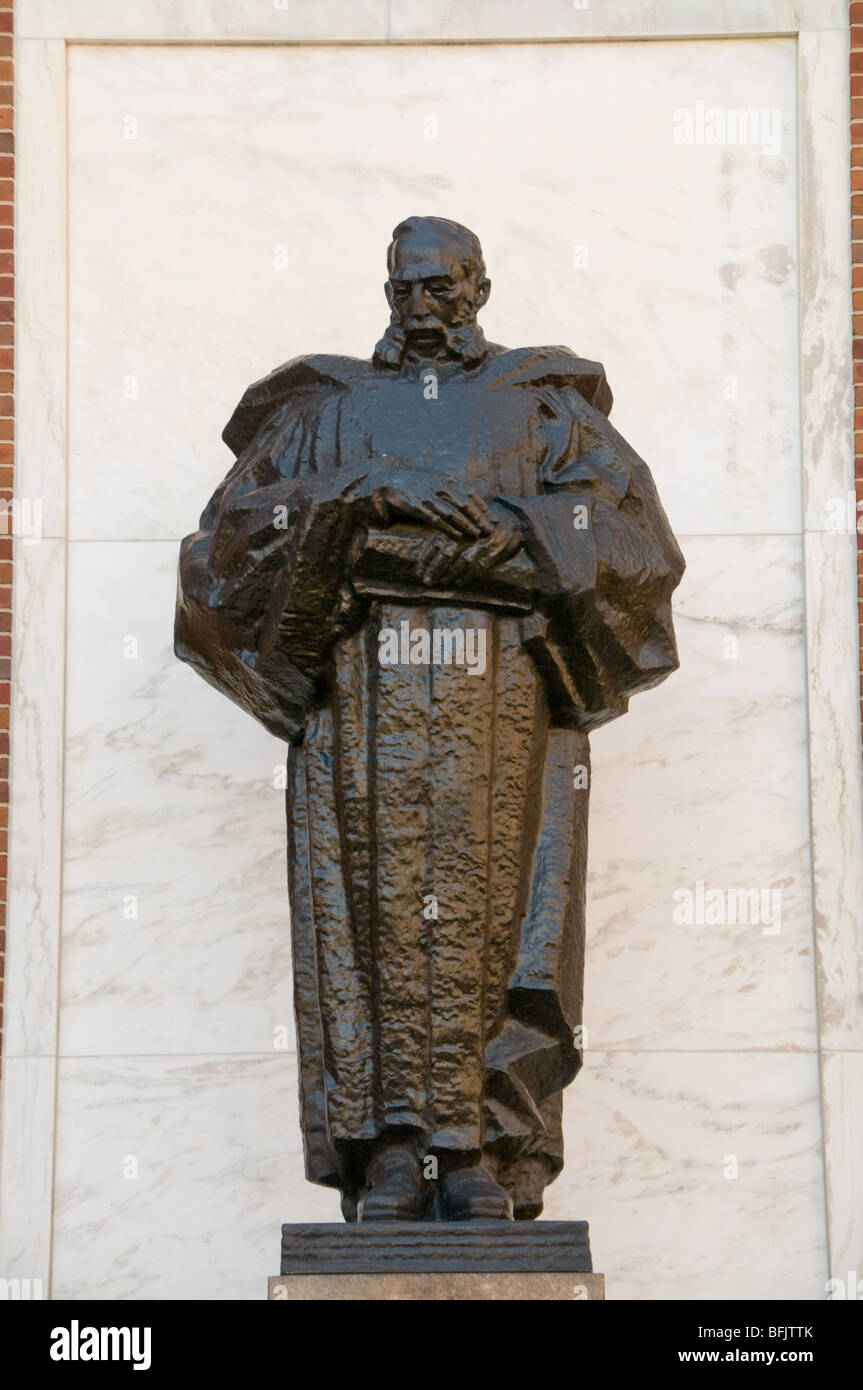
(262, 592)
(607, 564)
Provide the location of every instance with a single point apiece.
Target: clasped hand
(471, 535)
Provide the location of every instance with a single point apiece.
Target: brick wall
(857, 283)
(7, 289)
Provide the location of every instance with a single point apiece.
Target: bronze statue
(432, 574)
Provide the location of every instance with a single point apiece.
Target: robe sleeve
(262, 593)
(607, 564)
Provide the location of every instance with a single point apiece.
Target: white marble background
(191, 171)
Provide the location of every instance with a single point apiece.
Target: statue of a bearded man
(432, 574)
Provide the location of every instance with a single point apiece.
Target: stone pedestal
(437, 1260)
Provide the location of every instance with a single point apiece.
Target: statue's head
(436, 287)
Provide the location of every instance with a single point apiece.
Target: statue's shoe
(527, 1180)
(395, 1190)
(471, 1194)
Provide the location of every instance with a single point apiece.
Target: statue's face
(430, 291)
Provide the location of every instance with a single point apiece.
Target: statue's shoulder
(323, 370)
(550, 366)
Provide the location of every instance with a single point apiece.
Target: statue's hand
(447, 505)
(454, 563)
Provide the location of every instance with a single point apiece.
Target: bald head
(450, 239)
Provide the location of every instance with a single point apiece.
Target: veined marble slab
(698, 792)
(175, 914)
(433, 21)
(700, 1174)
(675, 264)
(174, 1175)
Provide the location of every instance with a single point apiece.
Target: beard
(466, 342)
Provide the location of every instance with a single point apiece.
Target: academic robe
(437, 818)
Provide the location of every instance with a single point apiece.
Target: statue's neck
(416, 366)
